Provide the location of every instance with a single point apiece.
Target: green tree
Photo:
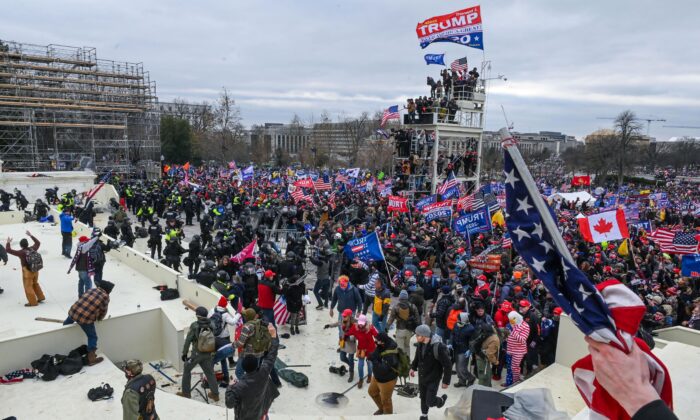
(176, 139)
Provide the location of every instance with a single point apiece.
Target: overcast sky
(567, 62)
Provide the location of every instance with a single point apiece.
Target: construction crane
(648, 120)
(682, 126)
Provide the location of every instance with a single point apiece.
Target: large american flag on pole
(609, 313)
(391, 113)
(280, 311)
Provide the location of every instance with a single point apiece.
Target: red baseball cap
(347, 313)
(557, 311)
(428, 273)
(423, 264)
(524, 303)
(269, 274)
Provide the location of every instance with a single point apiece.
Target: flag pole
(509, 145)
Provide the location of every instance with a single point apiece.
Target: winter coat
(293, 293)
(442, 309)
(384, 367)
(365, 339)
(429, 368)
(346, 299)
(252, 396)
(461, 335)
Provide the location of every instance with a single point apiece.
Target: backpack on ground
(34, 260)
(404, 365)
(103, 392)
(261, 339)
(206, 342)
(217, 321)
(46, 367)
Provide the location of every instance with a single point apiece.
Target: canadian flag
(607, 226)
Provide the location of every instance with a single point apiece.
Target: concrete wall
(680, 335)
(34, 187)
(136, 335)
(11, 217)
(570, 343)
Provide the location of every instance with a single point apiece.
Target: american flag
(94, 190)
(492, 203)
(676, 242)
(506, 241)
(331, 200)
(460, 65)
(299, 196)
(17, 376)
(471, 202)
(391, 113)
(450, 187)
(322, 183)
(609, 313)
(281, 312)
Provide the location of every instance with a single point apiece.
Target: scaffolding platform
(62, 108)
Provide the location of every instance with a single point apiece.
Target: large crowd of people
(495, 326)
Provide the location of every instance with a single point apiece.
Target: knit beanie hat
(249, 314)
(423, 331)
(403, 295)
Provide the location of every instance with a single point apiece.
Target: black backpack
(46, 367)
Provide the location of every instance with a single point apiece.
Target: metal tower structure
(62, 107)
(450, 130)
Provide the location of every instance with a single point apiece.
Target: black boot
(291, 329)
(297, 328)
(352, 376)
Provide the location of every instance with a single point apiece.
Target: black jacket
(655, 410)
(429, 368)
(252, 396)
(384, 367)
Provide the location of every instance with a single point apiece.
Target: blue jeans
(349, 359)
(90, 332)
(84, 282)
(269, 316)
(361, 367)
(220, 356)
(98, 273)
(378, 322)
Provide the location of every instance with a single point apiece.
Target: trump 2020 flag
(609, 313)
(449, 188)
(366, 248)
(438, 59)
(601, 227)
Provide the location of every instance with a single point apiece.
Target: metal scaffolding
(62, 107)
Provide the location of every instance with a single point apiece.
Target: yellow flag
(622, 249)
(498, 218)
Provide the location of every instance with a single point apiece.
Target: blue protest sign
(366, 248)
(473, 222)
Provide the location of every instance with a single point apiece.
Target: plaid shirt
(90, 307)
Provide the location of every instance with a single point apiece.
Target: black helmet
(209, 265)
(196, 238)
(291, 255)
(155, 220)
(221, 275)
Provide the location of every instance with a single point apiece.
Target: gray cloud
(567, 62)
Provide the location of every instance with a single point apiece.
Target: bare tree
(627, 130)
(229, 128)
(356, 131)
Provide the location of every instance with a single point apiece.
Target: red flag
(186, 166)
(399, 204)
(247, 252)
(582, 180)
(304, 183)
